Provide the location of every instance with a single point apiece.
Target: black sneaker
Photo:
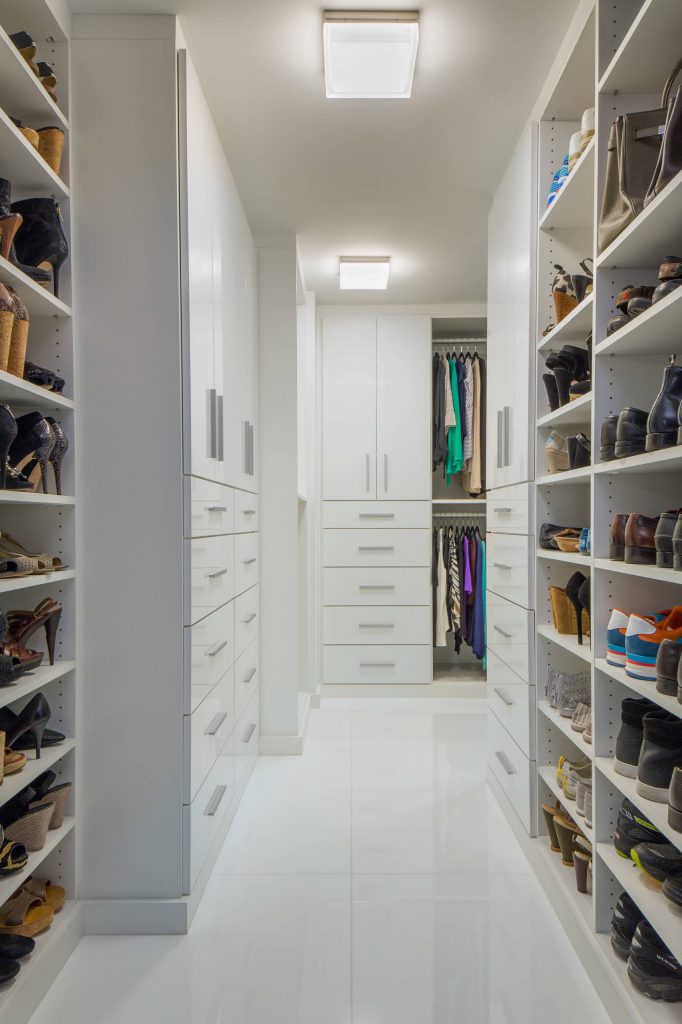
(651, 966)
(661, 753)
(626, 917)
(631, 734)
(632, 829)
(659, 860)
(672, 888)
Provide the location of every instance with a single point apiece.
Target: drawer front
(510, 634)
(509, 510)
(376, 626)
(377, 547)
(246, 736)
(209, 508)
(365, 665)
(246, 619)
(415, 515)
(500, 673)
(212, 575)
(246, 559)
(246, 676)
(374, 586)
(206, 812)
(246, 512)
(512, 769)
(514, 706)
(508, 567)
(209, 727)
(211, 649)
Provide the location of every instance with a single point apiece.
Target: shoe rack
(41, 522)
(621, 54)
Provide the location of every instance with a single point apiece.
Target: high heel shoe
(8, 719)
(43, 378)
(583, 283)
(579, 451)
(47, 615)
(31, 449)
(8, 433)
(6, 325)
(564, 379)
(32, 719)
(41, 242)
(563, 293)
(8, 216)
(549, 380)
(11, 668)
(572, 591)
(61, 446)
(585, 598)
(51, 146)
(19, 343)
(48, 79)
(25, 45)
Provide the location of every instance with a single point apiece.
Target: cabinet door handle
(216, 508)
(215, 723)
(249, 733)
(367, 470)
(249, 618)
(376, 515)
(215, 801)
(219, 428)
(505, 762)
(376, 625)
(245, 424)
(249, 561)
(500, 439)
(249, 676)
(501, 565)
(376, 547)
(505, 509)
(376, 586)
(248, 512)
(216, 574)
(212, 417)
(507, 435)
(252, 449)
(502, 631)
(377, 664)
(216, 649)
(504, 696)
(385, 472)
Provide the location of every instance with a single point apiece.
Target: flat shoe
(42, 888)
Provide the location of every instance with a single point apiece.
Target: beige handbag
(632, 164)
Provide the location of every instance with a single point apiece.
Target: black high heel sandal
(573, 588)
(31, 449)
(41, 239)
(61, 446)
(32, 719)
(43, 377)
(8, 432)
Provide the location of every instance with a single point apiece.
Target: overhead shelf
(54, 839)
(18, 392)
(648, 52)
(33, 681)
(654, 332)
(35, 766)
(574, 327)
(573, 207)
(572, 557)
(34, 498)
(569, 415)
(652, 235)
(42, 579)
(39, 300)
(24, 166)
(548, 776)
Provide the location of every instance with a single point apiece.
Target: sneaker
(631, 734)
(581, 717)
(626, 918)
(616, 630)
(658, 860)
(642, 640)
(633, 829)
(675, 801)
(588, 807)
(581, 789)
(564, 766)
(652, 968)
(661, 753)
(587, 735)
(574, 688)
(667, 666)
(574, 775)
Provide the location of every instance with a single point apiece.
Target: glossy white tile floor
(372, 881)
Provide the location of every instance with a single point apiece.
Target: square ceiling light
(370, 54)
(364, 272)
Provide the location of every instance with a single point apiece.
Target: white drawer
(509, 509)
(508, 567)
(401, 515)
(499, 672)
(246, 736)
(211, 561)
(510, 633)
(246, 560)
(209, 508)
(377, 586)
(211, 650)
(246, 676)
(365, 665)
(246, 619)
(512, 769)
(377, 547)
(379, 625)
(203, 817)
(246, 512)
(514, 706)
(206, 731)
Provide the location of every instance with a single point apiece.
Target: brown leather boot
(617, 536)
(640, 539)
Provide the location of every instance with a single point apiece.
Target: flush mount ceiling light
(370, 54)
(364, 272)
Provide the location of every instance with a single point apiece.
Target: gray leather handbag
(634, 163)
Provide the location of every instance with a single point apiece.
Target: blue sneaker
(616, 650)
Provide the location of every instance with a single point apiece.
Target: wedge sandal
(31, 829)
(13, 856)
(24, 914)
(50, 895)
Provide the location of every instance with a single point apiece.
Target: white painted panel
(513, 704)
(509, 564)
(398, 514)
(390, 624)
(212, 574)
(377, 547)
(512, 769)
(347, 665)
(377, 586)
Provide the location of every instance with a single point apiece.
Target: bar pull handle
(216, 574)
(216, 649)
(367, 470)
(249, 676)
(215, 723)
(376, 547)
(252, 450)
(385, 472)
(500, 439)
(504, 508)
(376, 625)
(248, 511)
(249, 733)
(220, 440)
(215, 801)
(377, 664)
(505, 762)
(376, 586)
(248, 561)
(246, 446)
(216, 508)
(507, 434)
(503, 632)
(504, 696)
(501, 565)
(376, 515)
(249, 618)
(212, 418)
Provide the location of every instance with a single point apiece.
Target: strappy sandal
(50, 895)
(23, 624)
(25, 915)
(36, 563)
(13, 856)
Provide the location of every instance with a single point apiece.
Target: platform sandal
(13, 856)
(53, 896)
(24, 914)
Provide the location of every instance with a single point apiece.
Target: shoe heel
(37, 733)
(9, 227)
(578, 608)
(655, 442)
(581, 863)
(51, 630)
(617, 552)
(549, 815)
(639, 556)
(57, 469)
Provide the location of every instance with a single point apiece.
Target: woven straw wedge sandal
(25, 915)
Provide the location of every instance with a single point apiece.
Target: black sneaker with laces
(659, 860)
(633, 828)
(652, 968)
(626, 917)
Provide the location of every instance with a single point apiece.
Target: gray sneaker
(581, 789)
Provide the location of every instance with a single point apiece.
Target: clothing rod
(458, 515)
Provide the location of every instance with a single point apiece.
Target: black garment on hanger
(440, 443)
(482, 419)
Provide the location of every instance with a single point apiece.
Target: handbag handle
(669, 84)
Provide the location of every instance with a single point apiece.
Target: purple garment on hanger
(478, 631)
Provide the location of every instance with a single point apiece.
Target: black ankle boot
(41, 238)
(10, 223)
(662, 425)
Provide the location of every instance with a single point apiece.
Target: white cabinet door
(349, 407)
(403, 408)
(245, 380)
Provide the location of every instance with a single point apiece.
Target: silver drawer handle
(249, 676)
(249, 733)
(376, 547)
(376, 625)
(377, 664)
(215, 801)
(215, 723)
(216, 508)
(505, 509)
(505, 762)
(216, 649)
(503, 632)
(501, 565)
(248, 511)
(504, 696)
(216, 574)
(376, 515)
(249, 618)
(376, 586)
(248, 561)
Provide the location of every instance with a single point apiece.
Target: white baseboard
(290, 745)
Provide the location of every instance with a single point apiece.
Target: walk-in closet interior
(340, 538)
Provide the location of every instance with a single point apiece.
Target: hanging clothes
(469, 408)
(458, 576)
(450, 418)
(441, 597)
(455, 457)
(483, 371)
(439, 433)
(453, 589)
(458, 396)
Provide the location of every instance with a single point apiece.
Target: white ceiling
(411, 179)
